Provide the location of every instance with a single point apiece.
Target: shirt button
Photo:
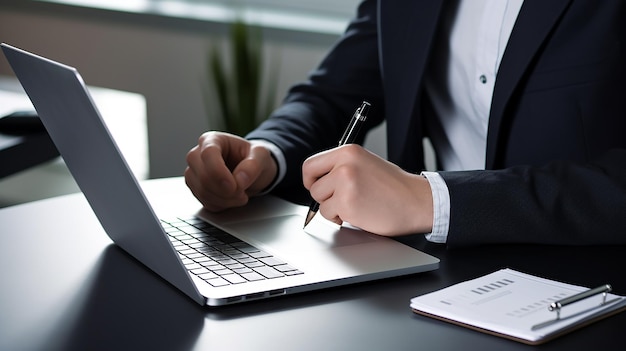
(483, 78)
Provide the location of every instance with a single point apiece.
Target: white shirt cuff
(278, 155)
(441, 207)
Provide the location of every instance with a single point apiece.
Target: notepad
(515, 305)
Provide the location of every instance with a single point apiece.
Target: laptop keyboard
(219, 258)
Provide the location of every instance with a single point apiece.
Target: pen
(351, 132)
(557, 305)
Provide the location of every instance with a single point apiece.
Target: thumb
(242, 177)
(247, 172)
(255, 172)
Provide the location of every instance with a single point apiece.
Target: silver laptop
(255, 252)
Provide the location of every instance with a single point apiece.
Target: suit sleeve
(561, 203)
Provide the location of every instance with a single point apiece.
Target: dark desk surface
(66, 287)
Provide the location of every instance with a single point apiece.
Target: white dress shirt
(461, 88)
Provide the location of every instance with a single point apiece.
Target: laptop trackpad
(287, 232)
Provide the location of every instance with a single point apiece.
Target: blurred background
(157, 50)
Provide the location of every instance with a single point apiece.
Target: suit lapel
(535, 21)
(405, 30)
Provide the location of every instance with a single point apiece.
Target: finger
(328, 210)
(247, 172)
(213, 170)
(323, 189)
(212, 201)
(256, 172)
(316, 166)
(330, 171)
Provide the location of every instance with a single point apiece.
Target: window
(344, 8)
(323, 16)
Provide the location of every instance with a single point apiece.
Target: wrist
(441, 207)
(424, 212)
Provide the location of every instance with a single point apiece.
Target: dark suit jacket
(556, 145)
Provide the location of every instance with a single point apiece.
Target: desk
(66, 287)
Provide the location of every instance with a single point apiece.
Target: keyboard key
(223, 272)
(254, 264)
(217, 256)
(247, 260)
(200, 270)
(189, 229)
(195, 255)
(259, 254)
(271, 261)
(236, 255)
(234, 278)
(222, 247)
(284, 268)
(209, 251)
(252, 276)
(242, 270)
(268, 272)
(226, 238)
(245, 247)
(187, 252)
(227, 261)
(207, 276)
(182, 236)
(193, 220)
(171, 231)
(197, 245)
(215, 267)
(192, 266)
(294, 272)
(210, 264)
(235, 266)
(203, 259)
(218, 282)
(178, 245)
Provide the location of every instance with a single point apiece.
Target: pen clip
(359, 116)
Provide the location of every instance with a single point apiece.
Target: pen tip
(308, 218)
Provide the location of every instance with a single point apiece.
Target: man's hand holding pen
(354, 185)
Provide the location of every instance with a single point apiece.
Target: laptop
(255, 252)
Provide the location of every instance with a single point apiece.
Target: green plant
(239, 86)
